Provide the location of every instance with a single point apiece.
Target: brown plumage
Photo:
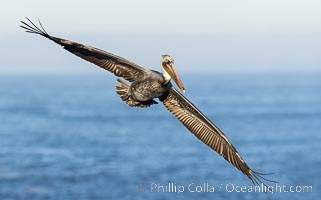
(148, 85)
(205, 130)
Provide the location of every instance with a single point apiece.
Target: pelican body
(147, 86)
(142, 92)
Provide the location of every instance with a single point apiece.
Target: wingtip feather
(33, 28)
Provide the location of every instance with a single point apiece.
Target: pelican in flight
(147, 85)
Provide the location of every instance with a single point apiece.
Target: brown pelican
(148, 85)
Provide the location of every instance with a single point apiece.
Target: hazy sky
(208, 35)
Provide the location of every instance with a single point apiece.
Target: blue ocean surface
(71, 137)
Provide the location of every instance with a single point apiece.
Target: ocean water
(71, 137)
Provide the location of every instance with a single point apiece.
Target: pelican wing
(205, 130)
(115, 64)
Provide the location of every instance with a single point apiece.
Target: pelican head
(170, 71)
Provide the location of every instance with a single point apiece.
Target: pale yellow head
(169, 70)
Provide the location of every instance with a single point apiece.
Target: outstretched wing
(115, 64)
(205, 130)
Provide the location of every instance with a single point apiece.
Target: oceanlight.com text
(172, 187)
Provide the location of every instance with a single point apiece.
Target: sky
(203, 36)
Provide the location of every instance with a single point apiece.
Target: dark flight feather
(115, 64)
(205, 130)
